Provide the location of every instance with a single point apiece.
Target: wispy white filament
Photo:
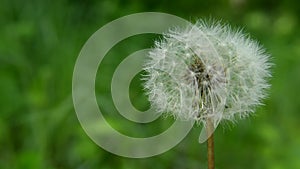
(206, 71)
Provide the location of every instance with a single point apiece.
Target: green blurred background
(40, 41)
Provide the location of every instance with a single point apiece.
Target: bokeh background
(40, 41)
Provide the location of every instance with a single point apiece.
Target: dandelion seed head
(206, 71)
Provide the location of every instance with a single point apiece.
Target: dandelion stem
(210, 145)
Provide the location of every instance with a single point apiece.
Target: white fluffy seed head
(206, 71)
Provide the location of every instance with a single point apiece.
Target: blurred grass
(39, 44)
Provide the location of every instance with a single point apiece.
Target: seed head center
(200, 73)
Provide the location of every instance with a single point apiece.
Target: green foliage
(39, 44)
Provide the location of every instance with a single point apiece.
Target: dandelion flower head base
(204, 78)
(206, 71)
